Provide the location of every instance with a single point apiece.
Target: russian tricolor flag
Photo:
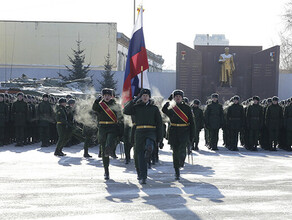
(137, 61)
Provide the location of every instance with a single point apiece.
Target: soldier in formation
(45, 117)
(148, 130)
(265, 123)
(110, 125)
(213, 117)
(182, 129)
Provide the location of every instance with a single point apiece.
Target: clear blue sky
(166, 22)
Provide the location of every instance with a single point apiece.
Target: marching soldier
(199, 122)
(3, 118)
(62, 127)
(127, 138)
(19, 113)
(288, 125)
(182, 129)
(254, 123)
(53, 131)
(213, 121)
(274, 120)
(235, 120)
(45, 116)
(148, 130)
(110, 122)
(88, 133)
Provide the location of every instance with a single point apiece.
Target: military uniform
(88, 133)
(148, 131)
(264, 133)
(127, 140)
(30, 138)
(4, 116)
(288, 125)
(19, 113)
(199, 122)
(53, 124)
(254, 124)
(213, 122)
(181, 132)
(45, 117)
(62, 127)
(234, 123)
(274, 122)
(110, 123)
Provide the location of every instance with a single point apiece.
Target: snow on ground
(219, 185)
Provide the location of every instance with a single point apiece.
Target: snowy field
(34, 184)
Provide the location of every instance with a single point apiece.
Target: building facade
(214, 39)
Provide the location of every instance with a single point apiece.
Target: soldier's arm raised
(129, 108)
(165, 109)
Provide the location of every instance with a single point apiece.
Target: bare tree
(286, 39)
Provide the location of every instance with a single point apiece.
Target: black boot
(106, 173)
(177, 174)
(58, 153)
(143, 181)
(86, 153)
(196, 148)
(127, 160)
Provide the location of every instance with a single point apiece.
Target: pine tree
(78, 70)
(107, 75)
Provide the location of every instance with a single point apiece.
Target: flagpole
(134, 11)
(141, 77)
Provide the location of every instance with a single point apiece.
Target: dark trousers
(197, 136)
(273, 137)
(233, 138)
(19, 134)
(63, 137)
(109, 141)
(44, 134)
(253, 137)
(2, 130)
(179, 154)
(127, 142)
(207, 137)
(288, 138)
(140, 161)
(213, 136)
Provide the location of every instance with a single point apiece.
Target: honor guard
(182, 129)
(110, 124)
(234, 122)
(3, 118)
(288, 124)
(199, 122)
(62, 127)
(254, 123)
(19, 113)
(148, 130)
(45, 116)
(274, 122)
(213, 121)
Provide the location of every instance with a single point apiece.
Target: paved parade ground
(35, 184)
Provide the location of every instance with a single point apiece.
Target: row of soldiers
(27, 119)
(266, 123)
